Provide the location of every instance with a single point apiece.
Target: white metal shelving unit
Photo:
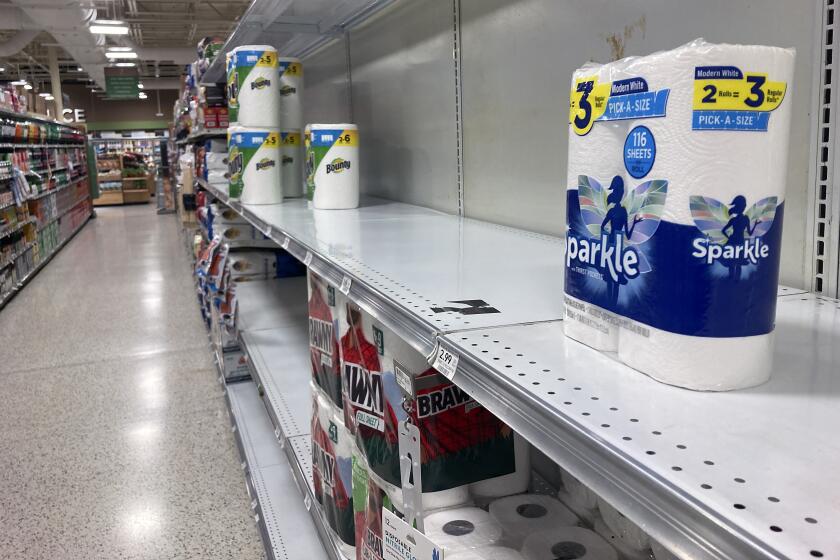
(746, 474)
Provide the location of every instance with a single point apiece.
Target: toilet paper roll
(339, 509)
(291, 168)
(254, 165)
(580, 498)
(290, 72)
(324, 303)
(255, 85)
(461, 529)
(521, 515)
(487, 553)
(631, 535)
(662, 553)
(513, 483)
(567, 543)
(335, 151)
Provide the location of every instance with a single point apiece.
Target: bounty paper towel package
(682, 245)
(462, 442)
(253, 86)
(291, 162)
(324, 303)
(290, 73)
(335, 163)
(254, 165)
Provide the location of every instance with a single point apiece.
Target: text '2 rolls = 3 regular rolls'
(677, 173)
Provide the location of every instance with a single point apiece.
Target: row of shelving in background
(21, 146)
(46, 192)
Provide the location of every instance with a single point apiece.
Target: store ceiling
(174, 25)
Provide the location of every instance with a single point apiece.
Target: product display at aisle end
(44, 195)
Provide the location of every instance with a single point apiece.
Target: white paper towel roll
(487, 553)
(513, 483)
(630, 534)
(256, 86)
(462, 528)
(521, 515)
(254, 165)
(567, 543)
(290, 72)
(335, 149)
(291, 168)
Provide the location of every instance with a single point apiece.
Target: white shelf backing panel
(266, 304)
(744, 474)
(409, 264)
(280, 363)
(285, 524)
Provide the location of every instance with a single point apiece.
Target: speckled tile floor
(114, 441)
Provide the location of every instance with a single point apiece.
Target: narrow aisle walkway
(114, 440)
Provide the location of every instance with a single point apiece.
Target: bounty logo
(732, 234)
(235, 163)
(265, 163)
(615, 225)
(287, 160)
(287, 90)
(260, 83)
(442, 400)
(337, 166)
(321, 335)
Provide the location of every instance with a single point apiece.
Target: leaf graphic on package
(761, 215)
(645, 205)
(593, 204)
(710, 216)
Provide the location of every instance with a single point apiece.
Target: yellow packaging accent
(753, 92)
(348, 138)
(587, 102)
(267, 59)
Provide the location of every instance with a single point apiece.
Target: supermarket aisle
(114, 441)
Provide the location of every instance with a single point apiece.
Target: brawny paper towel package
(684, 245)
(630, 534)
(462, 529)
(369, 499)
(335, 162)
(291, 163)
(487, 553)
(567, 542)
(315, 430)
(599, 151)
(513, 483)
(290, 72)
(339, 510)
(253, 85)
(254, 165)
(523, 514)
(324, 303)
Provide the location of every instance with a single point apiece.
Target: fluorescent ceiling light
(107, 22)
(119, 49)
(109, 29)
(19, 83)
(80, 69)
(121, 54)
(2, 69)
(141, 86)
(143, 95)
(50, 98)
(27, 86)
(45, 94)
(125, 64)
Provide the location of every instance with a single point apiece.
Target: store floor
(114, 440)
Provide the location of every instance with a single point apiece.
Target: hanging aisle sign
(122, 83)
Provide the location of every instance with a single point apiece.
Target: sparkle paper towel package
(254, 165)
(682, 245)
(523, 514)
(253, 86)
(290, 74)
(335, 164)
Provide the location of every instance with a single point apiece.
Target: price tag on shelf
(446, 362)
(307, 260)
(268, 231)
(277, 433)
(254, 504)
(307, 502)
(285, 243)
(345, 285)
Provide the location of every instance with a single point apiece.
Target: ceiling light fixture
(19, 83)
(125, 64)
(141, 86)
(143, 95)
(45, 94)
(50, 98)
(80, 69)
(119, 49)
(113, 55)
(27, 86)
(108, 27)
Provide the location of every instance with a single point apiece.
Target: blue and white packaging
(683, 245)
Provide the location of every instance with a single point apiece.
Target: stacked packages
(676, 184)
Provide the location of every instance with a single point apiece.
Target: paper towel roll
(661, 553)
(256, 87)
(567, 543)
(580, 498)
(291, 168)
(254, 163)
(290, 72)
(461, 529)
(335, 149)
(487, 553)
(513, 483)
(630, 534)
(521, 515)
(324, 302)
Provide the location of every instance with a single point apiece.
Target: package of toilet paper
(324, 302)
(291, 162)
(253, 86)
(681, 245)
(461, 441)
(254, 165)
(335, 163)
(290, 72)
